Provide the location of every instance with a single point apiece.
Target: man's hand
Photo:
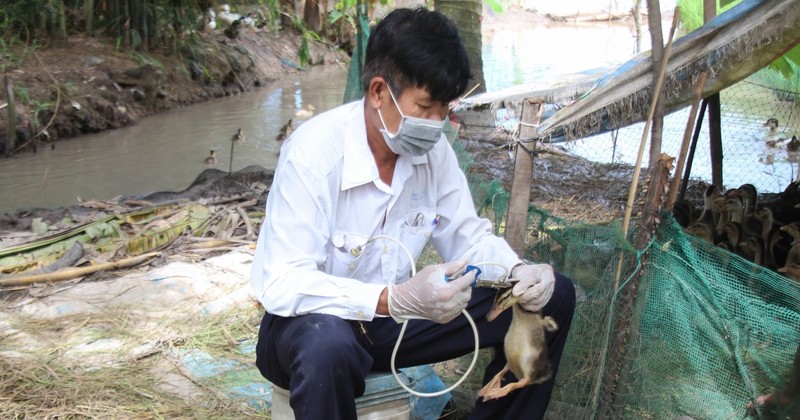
(428, 295)
(534, 285)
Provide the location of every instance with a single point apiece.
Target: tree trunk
(467, 15)
(312, 15)
(288, 10)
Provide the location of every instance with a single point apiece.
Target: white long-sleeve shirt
(326, 202)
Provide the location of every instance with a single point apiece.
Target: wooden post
(714, 114)
(517, 217)
(687, 135)
(11, 128)
(693, 148)
(657, 51)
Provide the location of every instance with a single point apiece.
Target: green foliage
(22, 93)
(271, 13)
(13, 51)
(495, 5)
(144, 59)
(304, 52)
(489, 196)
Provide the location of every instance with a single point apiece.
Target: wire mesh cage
(757, 123)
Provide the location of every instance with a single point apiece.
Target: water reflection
(515, 57)
(165, 152)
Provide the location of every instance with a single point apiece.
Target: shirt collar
(358, 163)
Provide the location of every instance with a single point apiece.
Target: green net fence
(694, 331)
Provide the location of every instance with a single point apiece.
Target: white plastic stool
(383, 399)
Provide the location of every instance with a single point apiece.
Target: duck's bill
(502, 302)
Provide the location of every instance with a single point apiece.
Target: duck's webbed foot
(502, 392)
(494, 384)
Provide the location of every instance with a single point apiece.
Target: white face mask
(415, 136)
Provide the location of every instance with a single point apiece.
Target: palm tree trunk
(467, 15)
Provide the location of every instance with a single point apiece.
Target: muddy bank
(84, 85)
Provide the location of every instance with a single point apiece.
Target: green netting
(705, 331)
(352, 89)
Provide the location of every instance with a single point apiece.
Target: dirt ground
(84, 84)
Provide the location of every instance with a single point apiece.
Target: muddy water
(166, 152)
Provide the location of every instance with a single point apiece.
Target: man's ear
(377, 89)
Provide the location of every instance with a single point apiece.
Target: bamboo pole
(638, 168)
(632, 194)
(687, 135)
(71, 273)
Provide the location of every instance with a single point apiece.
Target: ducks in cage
(764, 231)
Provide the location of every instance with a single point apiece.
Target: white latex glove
(534, 285)
(428, 296)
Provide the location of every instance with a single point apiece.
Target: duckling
(286, 130)
(684, 213)
(791, 271)
(305, 113)
(238, 137)
(234, 30)
(212, 158)
(733, 237)
(792, 229)
(525, 348)
(702, 230)
(778, 244)
(709, 195)
(752, 249)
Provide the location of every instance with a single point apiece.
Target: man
(351, 185)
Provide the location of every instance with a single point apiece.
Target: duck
(306, 112)
(525, 347)
(684, 213)
(772, 138)
(793, 256)
(234, 30)
(753, 249)
(733, 237)
(211, 159)
(238, 137)
(709, 195)
(702, 230)
(209, 20)
(791, 271)
(225, 16)
(286, 130)
(778, 244)
(793, 145)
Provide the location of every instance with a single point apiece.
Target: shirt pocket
(417, 228)
(346, 254)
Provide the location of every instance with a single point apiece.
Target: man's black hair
(417, 48)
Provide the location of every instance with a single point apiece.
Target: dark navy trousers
(323, 360)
